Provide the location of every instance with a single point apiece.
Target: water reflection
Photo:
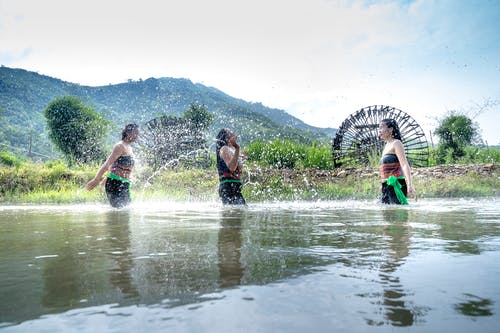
(65, 275)
(88, 261)
(64, 282)
(461, 233)
(475, 306)
(397, 231)
(229, 247)
(117, 226)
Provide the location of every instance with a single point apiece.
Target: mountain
(24, 96)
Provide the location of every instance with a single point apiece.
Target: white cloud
(318, 59)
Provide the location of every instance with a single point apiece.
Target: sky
(319, 60)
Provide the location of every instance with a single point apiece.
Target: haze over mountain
(24, 96)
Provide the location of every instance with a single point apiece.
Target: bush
(471, 155)
(475, 154)
(9, 160)
(319, 157)
(285, 154)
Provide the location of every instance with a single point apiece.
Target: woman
(228, 151)
(120, 164)
(394, 168)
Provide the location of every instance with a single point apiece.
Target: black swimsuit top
(127, 161)
(122, 166)
(389, 158)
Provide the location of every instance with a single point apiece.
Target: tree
(76, 130)
(199, 120)
(198, 116)
(456, 131)
(2, 125)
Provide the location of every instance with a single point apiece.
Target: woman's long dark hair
(391, 123)
(222, 139)
(129, 128)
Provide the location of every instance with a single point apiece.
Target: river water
(336, 266)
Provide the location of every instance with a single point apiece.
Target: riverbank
(56, 183)
(470, 180)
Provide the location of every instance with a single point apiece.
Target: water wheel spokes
(357, 141)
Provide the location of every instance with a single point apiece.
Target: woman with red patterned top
(394, 167)
(119, 164)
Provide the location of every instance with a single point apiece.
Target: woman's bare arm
(400, 153)
(115, 154)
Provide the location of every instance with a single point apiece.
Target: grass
(470, 185)
(55, 183)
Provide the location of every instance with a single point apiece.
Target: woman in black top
(229, 168)
(119, 165)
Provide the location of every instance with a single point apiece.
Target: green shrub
(9, 160)
(471, 155)
(286, 154)
(319, 157)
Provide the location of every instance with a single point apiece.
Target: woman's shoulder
(397, 144)
(122, 148)
(394, 144)
(119, 146)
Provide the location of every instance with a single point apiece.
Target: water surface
(350, 266)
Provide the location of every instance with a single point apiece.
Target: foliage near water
(471, 154)
(51, 182)
(55, 183)
(276, 170)
(286, 154)
(276, 186)
(470, 185)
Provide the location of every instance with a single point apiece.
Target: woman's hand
(232, 141)
(244, 156)
(412, 192)
(91, 184)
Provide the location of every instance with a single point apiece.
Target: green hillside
(24, 95)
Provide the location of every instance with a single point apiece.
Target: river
(346, 266)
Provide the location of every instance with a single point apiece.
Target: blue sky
(319, 60)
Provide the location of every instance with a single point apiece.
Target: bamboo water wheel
(167, 141)
(357, 141)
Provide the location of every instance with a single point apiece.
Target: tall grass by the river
(52, 184)
(55, 182)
